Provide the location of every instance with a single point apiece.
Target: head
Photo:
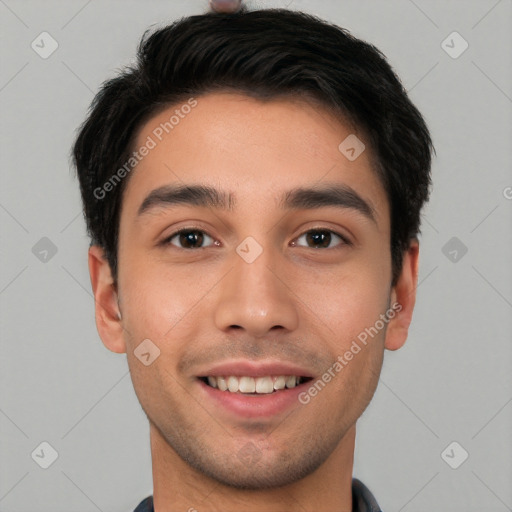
(256, 105)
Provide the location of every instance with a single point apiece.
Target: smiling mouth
(254, 386)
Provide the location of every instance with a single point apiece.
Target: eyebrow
(341, 196)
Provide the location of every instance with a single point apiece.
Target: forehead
(251, 149)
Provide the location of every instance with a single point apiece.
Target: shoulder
(363, 499)
(146, 505)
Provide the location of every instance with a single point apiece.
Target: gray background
(450, 382)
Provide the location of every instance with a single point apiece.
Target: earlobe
(108, 316)
(403, 299)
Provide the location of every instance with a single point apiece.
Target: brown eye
(188, 238)
(322, 239)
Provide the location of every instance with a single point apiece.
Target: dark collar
(362, 500)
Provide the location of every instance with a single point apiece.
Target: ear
(108, 316)
(403, 294)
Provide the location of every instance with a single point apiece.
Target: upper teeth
(251, 385)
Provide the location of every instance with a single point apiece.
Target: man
(253, 188)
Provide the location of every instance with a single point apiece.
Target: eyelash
(344, 239)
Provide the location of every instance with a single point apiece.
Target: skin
(295, 302)
(225, 6)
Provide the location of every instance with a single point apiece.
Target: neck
(178, 486)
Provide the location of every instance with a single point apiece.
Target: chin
(256, 473)
(258, 477)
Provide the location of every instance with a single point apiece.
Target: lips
(250, 377)
(244, 368)
(249, 390)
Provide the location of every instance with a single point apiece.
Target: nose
(256, 298)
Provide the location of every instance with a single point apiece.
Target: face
(275, 275)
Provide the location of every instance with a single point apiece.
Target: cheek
(347, 299)
(160, 301)
(148, 299)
